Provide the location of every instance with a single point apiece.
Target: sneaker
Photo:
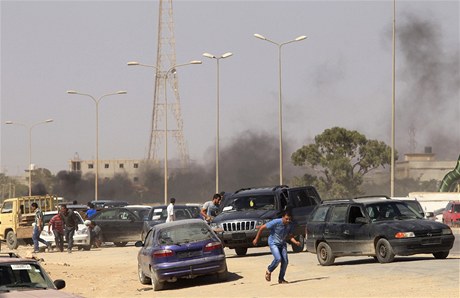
(282, 281)
(35, 251)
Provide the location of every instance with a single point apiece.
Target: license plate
(188, 254)
(431, 241)
(238, 236)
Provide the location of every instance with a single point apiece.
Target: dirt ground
(112, 272)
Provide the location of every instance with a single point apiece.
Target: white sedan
(81, 238)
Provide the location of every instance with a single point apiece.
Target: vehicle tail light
(163, 253)
(400, 235)
(212, 246)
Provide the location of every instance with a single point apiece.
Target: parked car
(26, 278)
(158, 214)
(378, 227)
(451, 214)
(180, 249)
(120, 225)
(81, 238)
(243, 212)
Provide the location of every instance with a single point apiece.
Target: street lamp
(223, 56)
(30, 146)
(280, 113)
(96, 101)
(172, 69)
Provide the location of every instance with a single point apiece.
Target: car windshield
(184, 234)
(263, 202)
(23, 275)
(391, 211)
(456, 207)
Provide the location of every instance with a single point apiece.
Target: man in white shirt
(170, 210)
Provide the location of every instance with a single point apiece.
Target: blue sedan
(180, 249)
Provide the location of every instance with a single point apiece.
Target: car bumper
(190, 268)
(82, 239)
(242, 238)
(422, 245)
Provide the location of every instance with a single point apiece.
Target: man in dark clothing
(71, 225)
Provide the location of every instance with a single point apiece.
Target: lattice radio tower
(166, 58)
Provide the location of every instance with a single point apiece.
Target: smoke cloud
(427, 84)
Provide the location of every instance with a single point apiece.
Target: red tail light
(212, 246)
(163, 253)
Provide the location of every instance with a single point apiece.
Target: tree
(342, 158)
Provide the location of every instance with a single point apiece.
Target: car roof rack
(242, 189)
(372, 197)
(280, 186)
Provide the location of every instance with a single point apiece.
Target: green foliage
(342, 157)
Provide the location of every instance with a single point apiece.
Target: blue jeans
(36, 238)
(279, 252)
(69, 232)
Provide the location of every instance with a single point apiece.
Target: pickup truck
(16, 218)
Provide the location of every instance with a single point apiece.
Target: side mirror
(227, 208)
(429, 214)
(138, 244)
(361, 220)
(59, 283)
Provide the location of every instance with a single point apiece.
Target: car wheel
(12, 240)
(84, 247)
(120, 244)
(144, 279)
(241, 251)
(300, 248)
(156, 284)
(441, 254)
(324, 254)
(384, 251)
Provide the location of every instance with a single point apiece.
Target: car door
(107, 220)
(145, 253)
(356, 234)
(129, 225)
(334, 232)
(302, 200)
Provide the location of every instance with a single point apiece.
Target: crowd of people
(63, 226)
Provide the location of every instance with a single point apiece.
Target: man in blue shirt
(280, 230)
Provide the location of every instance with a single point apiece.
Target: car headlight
(400, 235)
(446, 231)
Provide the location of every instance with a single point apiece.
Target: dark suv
(379, 227)
(247, 209)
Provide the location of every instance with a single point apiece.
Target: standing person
(57, 223)
(38, 227)
(170, 210)
(211, 208)
(280, 229)
(71, 225)
(91, 210)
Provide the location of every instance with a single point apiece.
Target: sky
(341, 75)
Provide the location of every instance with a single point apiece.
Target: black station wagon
(378, 227)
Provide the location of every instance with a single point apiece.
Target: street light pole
(393, 92)
(223, 56)
(30, 146)
(96, 101)
(173, 68)
(280, 106)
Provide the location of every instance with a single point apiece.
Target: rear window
(184, 234)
